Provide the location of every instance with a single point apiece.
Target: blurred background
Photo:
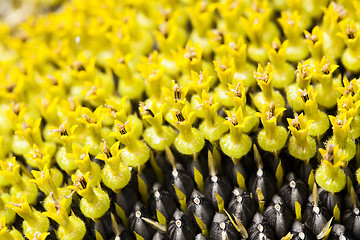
(14, 12)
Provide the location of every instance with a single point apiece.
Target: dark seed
(162, 201)
(137, 224)
(179, 178)
(160, 236)
(330, 200)
(127, 198)
(265, 182)
(222, 228)
(201, 207)
(279, 216)
(221, 186)
(301, 232)
(181, 227)
(260, 229)
(294, 190)
(351, 220)
(316, 217)
(232, 171)
(339, 232)
(242, 206)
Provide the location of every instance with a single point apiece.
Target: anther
(106, 149)
(179, 116)
(177, 92)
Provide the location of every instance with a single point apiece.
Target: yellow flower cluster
(122, 81)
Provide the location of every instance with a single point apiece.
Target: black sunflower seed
(242, 206)
(222, 228)
(279, 216)
(181, 227)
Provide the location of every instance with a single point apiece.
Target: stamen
(350, 32)
(106, 149)
(177, 92)
(147, 110)
(295, 122)
(271, 113)
(121, 128)
(179, 116)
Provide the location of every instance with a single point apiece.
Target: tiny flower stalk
(202, 17)
(155, 76)
(230, 10)
(329, 176)
(141, 41)
(169, 35)
(191, 58)
(201, 81)
(315, 42)
(120, 109)
(84, 163)
(236, 144)
(7, 215)
(131, 83)
(189, 141)
(157, 136)
(95, 93)
(48, 107)
(333, 14)
(272, 138)
(45, 183)
(70, 227)
(348, 106)
(284, 72)
(244, 71)
(264, 78)
(82, 68)
(95, 201)
(135, 152)
(115, 174)
(39, 159)
(320, 119)
(92, 121)
(301, 145)
(15, 114)
(351, 88)
(175, 99)
(70, 110)
(304, 75)
(29, 131)
(218, 41)
(254, 26)
(34, 221)
(55, 83)
(297, 7)
(313, 8)
(225, 73)
(297, 48)
(351, 35)
(212, 127)
(20, 187)
(67, 136)
(4, 231)
(238, 96)
(327, 93)
(341, 129)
